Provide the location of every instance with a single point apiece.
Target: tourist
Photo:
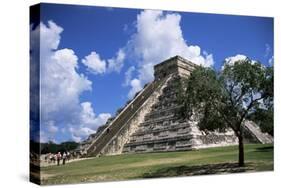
(58, 158)
(68, 155)
(50, 158)
(54, 158)
(63, 158)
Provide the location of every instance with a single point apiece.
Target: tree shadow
(183, 170)
(264, 149)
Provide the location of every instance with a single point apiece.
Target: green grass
(136, 166)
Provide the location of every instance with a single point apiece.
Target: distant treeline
(52, 147)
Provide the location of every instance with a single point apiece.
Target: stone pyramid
(150, 122)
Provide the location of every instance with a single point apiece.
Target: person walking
(68, 156)
(58, 158)
(63, 158)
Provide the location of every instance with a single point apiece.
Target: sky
(94, 59)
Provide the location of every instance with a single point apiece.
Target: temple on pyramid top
(176, 64)
(150, 123)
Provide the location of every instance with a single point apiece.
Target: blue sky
(95, 28)
(132, 41)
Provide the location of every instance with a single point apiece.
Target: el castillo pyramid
(150, 122)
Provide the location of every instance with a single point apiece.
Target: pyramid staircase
(255, 133)
(124, 118)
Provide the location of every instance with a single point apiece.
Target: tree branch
(249, 107)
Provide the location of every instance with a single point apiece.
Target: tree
(225, 99)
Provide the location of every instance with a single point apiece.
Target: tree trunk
(241, 151)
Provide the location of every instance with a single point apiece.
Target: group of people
(58, 157)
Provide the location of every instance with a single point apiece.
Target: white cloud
(51, 127)
(63, 116)
(61, 85)
(239, 58)
(51, 36)
(87, 113)
(78, 134)
(94, 63)
(234, 59)
(89, 119)
(44, 137)
(231, 60)
(98, 66)
(128, 75)
(89, 122)
(136, 86)
(271, 61)
(209, 60)
(158, 37)
(48, 134)
(116, 64)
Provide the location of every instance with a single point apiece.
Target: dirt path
(45, 164)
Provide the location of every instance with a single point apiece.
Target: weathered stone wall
(175, 65)
(162, 129)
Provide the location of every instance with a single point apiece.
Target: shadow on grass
(219, 168)
(264, 149)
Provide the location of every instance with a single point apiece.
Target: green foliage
(224, 99)
(54, 148)
(203, 90)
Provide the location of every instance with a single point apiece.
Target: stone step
(162, 112)
(263, 138)
(164, 105)
(157, 120)
(170, 95)
(158, 147)
(168, 128)
(162, 140)
(166, 100)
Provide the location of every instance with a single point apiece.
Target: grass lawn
(137, 166)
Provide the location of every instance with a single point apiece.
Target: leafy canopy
(224, 99)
